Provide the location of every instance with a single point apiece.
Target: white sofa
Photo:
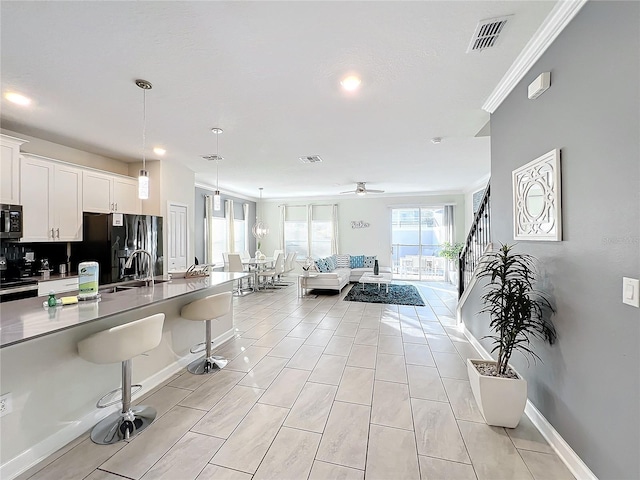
(337, 279)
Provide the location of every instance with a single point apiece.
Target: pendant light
(143, 177)
(216, 195)
(260, 229)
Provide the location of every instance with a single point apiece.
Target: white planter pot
(501, 400)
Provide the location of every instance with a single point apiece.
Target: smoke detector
(487, 33)
(310, 159)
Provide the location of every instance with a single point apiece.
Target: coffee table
(380, 279)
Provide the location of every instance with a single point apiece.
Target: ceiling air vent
(311, 159)
(213, 157)
(487, 33)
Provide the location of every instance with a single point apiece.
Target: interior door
(177, 237)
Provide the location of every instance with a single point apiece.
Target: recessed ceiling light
(351, 83)
(17, 98)
(159, 151)
(436, 140)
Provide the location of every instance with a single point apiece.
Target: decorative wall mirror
(536, 199)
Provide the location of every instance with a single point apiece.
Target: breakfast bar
(54, 391)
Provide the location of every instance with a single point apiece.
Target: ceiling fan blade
(344, 193)
(374, 191)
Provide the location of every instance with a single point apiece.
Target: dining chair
(273, 273)
(235, 265)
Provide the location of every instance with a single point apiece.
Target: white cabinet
(104, 193)
(125, 195)
(96, 192)
(51, 198)
(10, 169)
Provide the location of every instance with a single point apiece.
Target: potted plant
(308, 263)
(518, 313)
(451, 251)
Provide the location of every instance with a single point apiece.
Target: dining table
(256, 266)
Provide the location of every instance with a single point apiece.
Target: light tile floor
(318, 388)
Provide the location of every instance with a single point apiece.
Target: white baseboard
(570, 458)
(41, 450)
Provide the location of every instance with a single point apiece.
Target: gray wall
(237, 211)
(588, 385)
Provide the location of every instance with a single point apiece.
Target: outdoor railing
(476, 244)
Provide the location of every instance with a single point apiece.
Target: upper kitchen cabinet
(9, 169)
(51, 198)
(104, 193)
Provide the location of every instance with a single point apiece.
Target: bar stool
(121, 344)
(205, 310)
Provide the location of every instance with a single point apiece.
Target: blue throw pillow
(369, 261)
(323, 266)
(357, 261)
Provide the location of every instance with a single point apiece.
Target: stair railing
(478, 239)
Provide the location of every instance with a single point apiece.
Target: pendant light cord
(144, 127)
(217, 162)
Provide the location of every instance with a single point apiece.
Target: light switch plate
(630, 291)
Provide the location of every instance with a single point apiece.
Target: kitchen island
(54, 391)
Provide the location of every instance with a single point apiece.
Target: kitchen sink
(125, 286)
(114, 289)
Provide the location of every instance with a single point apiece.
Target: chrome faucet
(149, 279)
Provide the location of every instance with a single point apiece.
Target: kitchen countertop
(23, 320)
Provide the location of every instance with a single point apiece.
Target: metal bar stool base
(204, 366)
(122, 426)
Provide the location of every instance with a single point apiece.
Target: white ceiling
(267, 73)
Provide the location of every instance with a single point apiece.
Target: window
(416, 236)
(296, 231)
(219, 239)
(238, 231)
(314, 238)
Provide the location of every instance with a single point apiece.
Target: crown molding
(556, 21)
(230, 193)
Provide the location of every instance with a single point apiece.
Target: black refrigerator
(110, 238)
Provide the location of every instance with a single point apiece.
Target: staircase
(477, 243)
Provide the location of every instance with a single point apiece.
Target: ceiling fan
(361, 189)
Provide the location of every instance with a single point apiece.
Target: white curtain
(334, 229)
(245, 215)
(208, 212)
(449, 223)
(283, 217)
(310, 227)
(228, 215)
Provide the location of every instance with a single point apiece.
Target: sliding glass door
(416, 236)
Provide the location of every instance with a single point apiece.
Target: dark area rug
(398, 294)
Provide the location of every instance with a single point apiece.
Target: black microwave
(10, 221)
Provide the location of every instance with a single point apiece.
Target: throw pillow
(369, 261)
(330, 264)
(357, 261)
(343, 261)
(322, 265)
(334, 261)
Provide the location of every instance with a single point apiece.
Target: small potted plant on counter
(451, 251)
(519, 314)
